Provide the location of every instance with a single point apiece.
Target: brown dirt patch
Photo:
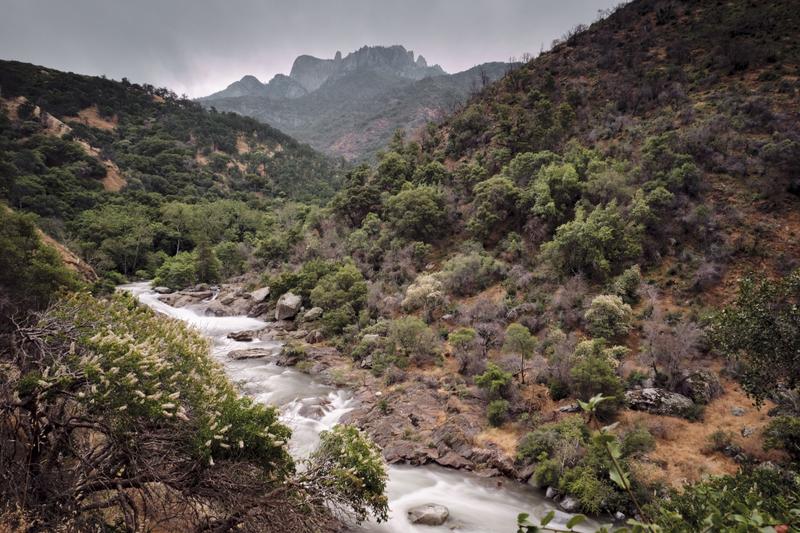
(681, 454)
(91, 117)
(72, 261)
(505, 438)
(241, 145)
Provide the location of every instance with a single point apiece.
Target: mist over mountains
(350, 106)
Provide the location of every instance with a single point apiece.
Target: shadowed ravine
(476, 505)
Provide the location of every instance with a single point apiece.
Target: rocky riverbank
(418, 420)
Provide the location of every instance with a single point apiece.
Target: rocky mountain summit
(350, 105)
(309, 73)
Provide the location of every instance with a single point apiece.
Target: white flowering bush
(132, 367)
(111, 415)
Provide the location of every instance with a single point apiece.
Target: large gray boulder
(701, 386)
(658, 401)
(259, 295)
(288, 306)
(162, 290)
(430, 514)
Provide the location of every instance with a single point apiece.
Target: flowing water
(476, 505)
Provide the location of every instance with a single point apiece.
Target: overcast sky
(200, 46)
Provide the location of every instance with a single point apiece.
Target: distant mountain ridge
(351, 105)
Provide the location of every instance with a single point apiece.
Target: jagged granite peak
(395, 60)
(350, 105)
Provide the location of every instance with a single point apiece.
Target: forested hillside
(127, 174)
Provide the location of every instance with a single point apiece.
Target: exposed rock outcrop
(658, 401)
(701, 386)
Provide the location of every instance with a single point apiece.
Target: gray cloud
(200, 46)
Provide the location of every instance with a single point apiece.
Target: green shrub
(594, 375)
(636, 441)
(412, 338)
(558, 389)
(351, 466)
(495, 381)
(497, 412)
(547, 438)
(303, 280)
(626, 285)
(761, 332)
(468, 274)
(594, 494)
(342, 294)
(177, 272)
(719, 441)
(608, 317)
(548, 472)
(784, 433)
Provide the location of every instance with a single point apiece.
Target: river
(477, 505)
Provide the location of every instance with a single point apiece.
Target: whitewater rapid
(477, 505)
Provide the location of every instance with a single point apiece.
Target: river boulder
(430, 514)
(288, 306)
(242, 336)
(251, 353)
(259, 295)
(162, 290)
(658, 401)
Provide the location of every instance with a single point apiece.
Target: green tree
(761, 331)
(392, 171)
(596, 244)
(417, 213)
(207, 265)
(495, 381)
(555, 190)
(342, 294)
(594, 375)
(608, 316)
(117, 236)
(31, 273)
(177, 272)
(494, 206)
(520, 342)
